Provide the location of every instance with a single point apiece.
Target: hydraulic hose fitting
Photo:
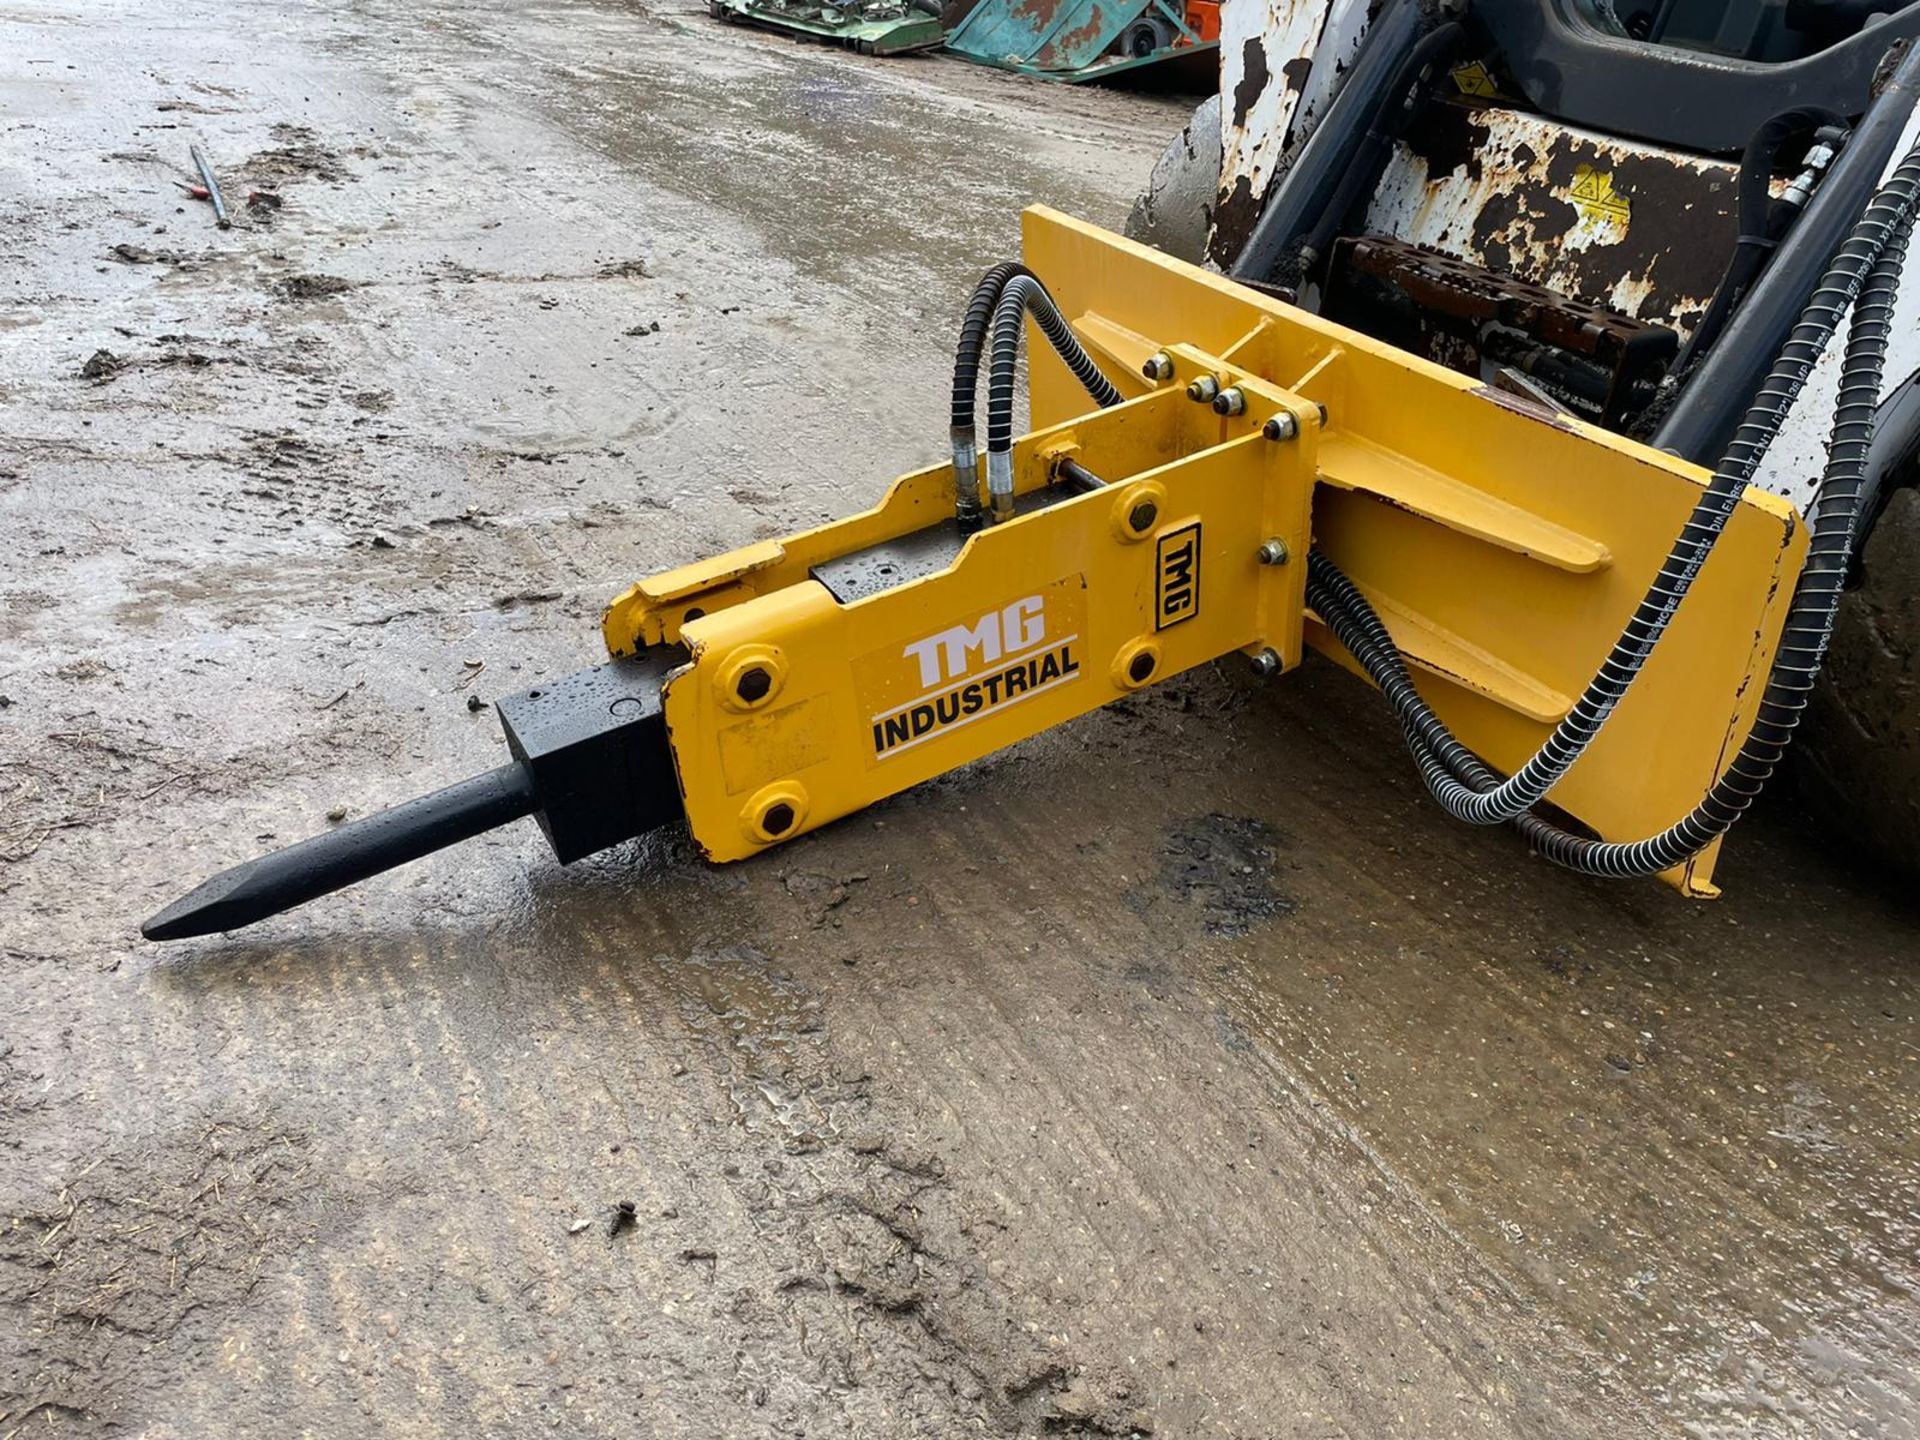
(966, 482)
(1000, 485)
(1022, 296)
(1820, 155)
(967, 509)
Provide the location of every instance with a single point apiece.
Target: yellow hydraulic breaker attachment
(1504, 545)
(768, 691)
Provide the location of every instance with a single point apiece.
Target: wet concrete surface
(1181, 1071)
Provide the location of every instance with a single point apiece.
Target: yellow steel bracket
(1503, 546)
(799, 707)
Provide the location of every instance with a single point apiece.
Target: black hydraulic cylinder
(325, 863)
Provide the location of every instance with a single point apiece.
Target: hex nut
(1266, 663)
(1230, 401)
(1281, 427)
(1203, 389)
(753, 685)
(1274, 552)
(1158, 366)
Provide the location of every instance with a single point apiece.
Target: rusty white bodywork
(1642, 228)
(1552, 204)
(1280, 63)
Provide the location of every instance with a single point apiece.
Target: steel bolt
(1230, 401)
(778, 818)
(1140, 667)
(1266, 663)
(753, 685)
(1281, 427)
(1140, 519)
(1275, 552)
(1158, 367)
(1203, 389)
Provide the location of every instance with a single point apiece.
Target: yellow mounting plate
(1505, 546)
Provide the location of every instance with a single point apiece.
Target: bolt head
(1140, 667)
(1140, 519)
(778, 818)
(1281, 427)
(753, 685)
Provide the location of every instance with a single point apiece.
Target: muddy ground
(1181, 1071)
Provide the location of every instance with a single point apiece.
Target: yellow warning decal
(1475, 79)
(1594, 196)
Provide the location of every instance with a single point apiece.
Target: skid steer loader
(1615, 210)
(1560, 356)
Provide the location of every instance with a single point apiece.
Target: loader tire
(1859, 763)
(1175, 212)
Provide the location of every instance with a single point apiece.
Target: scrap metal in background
(872, 27)
(1082, 40)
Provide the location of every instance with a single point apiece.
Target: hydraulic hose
(1362, 172)
(1448, 767)
(1706, 412)
(1809, 624)
(966, 386)
(1356, 625)
(1022, 294)
(1522, 790)
(1762, 218)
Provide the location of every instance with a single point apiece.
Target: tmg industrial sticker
(933, 684)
